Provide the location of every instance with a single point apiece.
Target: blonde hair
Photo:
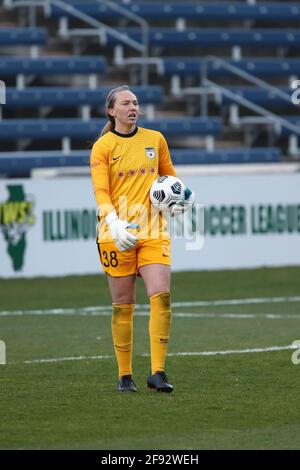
(109, 103)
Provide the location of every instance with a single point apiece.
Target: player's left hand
(181, 206)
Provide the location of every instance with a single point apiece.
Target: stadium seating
(16, 163)
(236, 155)
(213, 37)
(10, 66)
(267, 66)
(261, 97)
(181, 35)
(203, 11)
(48, 129)
(23, 36)
(72, 97)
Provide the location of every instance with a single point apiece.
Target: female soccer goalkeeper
(132, 237)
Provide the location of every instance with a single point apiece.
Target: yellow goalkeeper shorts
(125, 263)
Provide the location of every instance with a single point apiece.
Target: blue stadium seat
(17, 162)
(73, 97)
(267, 66)
(236, 155)
(10, 66)
(47, 129)
(21, 163)
(203, 11)
(214, 37)
(261, 97)
(23, 36)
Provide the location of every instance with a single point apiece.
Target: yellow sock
(122, 328)
(159, 329)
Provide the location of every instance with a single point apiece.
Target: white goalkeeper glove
(117, 229)
(184, 204)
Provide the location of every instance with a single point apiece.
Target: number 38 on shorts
(125, 263)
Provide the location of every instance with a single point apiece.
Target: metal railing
(145, 35)
(98, 27)
(214, 87)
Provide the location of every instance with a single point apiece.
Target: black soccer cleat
(126, 384)
(159, 382)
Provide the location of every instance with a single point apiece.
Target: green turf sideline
(106, 308)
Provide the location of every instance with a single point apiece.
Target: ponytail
(108, 127)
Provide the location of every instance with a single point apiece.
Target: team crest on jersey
(150, 152)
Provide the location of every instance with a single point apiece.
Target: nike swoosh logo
(116, 158)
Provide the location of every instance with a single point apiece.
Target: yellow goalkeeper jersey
(123, 168)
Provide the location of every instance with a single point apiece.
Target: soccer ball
(166, 191)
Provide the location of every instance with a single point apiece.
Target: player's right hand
(181, 206)
(119, 233)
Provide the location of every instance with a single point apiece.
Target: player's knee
(124, 299)
(158, 289)
(161, 291)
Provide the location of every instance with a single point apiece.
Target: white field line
(178, 354)
(248, 301)
(243, 316)
(207, 315)
(235, 351)
(106, 309)
(63, 359)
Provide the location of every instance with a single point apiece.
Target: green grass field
(230, 401)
